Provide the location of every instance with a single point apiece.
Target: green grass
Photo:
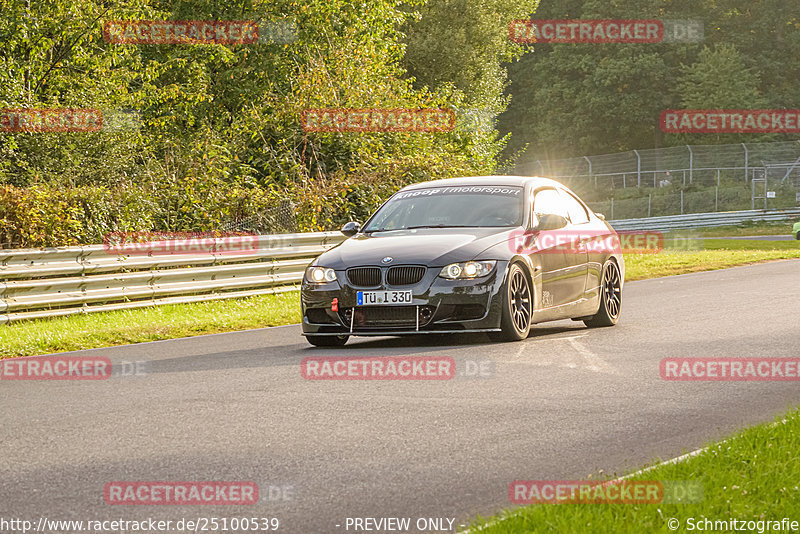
(754, 475)
(716, 254)
(746, 244)
(78, 332)
(147, 324)
(759, 228)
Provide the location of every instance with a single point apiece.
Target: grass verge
(752, 476)
(78, 332)
(758, 228)
(147, 324)
(716, 254)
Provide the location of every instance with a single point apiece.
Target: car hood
(434, 247)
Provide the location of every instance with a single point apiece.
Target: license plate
(373, 298)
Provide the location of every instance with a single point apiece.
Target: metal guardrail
(704, 220)
(52, 282)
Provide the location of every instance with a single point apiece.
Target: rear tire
(327, 341)
(610, 298)
(515, 320)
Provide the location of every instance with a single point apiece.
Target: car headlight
(320, 275)
(467, 270)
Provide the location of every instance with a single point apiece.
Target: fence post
(612, 208)
(681, 201)
(638, 169)
(745, 162)
(716, 198)
(649, 203)
(691, 163)
(590, 169)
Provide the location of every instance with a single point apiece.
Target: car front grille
(364, 276)
(387, 316)
(405, 275)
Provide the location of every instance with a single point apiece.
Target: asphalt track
(562, 405)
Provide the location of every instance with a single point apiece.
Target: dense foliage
(219, 144)
(582, 99)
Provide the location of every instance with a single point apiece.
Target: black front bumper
(438, 306)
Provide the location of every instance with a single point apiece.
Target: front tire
(515, 320)
(610, 298)
(327, 341)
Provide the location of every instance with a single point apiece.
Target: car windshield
(450, 207)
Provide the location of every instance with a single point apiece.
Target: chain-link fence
(280, 219)
(701, 164)
(727, 177)
(706, 201)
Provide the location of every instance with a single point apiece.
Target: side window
(548, 201)
(577, 213)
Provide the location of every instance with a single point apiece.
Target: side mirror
(550, 221)
(350, 229)
(601, 216)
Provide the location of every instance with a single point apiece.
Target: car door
(563, 270)
(580, 235)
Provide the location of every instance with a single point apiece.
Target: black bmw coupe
(491, 254)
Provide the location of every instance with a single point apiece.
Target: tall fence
(702, 164)
(735, 177)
